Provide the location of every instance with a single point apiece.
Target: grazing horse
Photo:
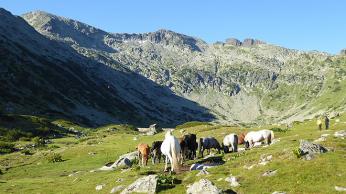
(170, 147)
(258, 136)
(192, 145)
(241, 138)
(156, 151)
(143, 153)
(208, 143)
(230, 141)
(189, 146)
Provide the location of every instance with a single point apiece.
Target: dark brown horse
(155, 151)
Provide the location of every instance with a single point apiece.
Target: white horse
(230, 141)
(170, 147)
(258, 136)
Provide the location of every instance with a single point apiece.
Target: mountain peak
(246, 42)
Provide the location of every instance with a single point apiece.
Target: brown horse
(241, 138)
(143, 153)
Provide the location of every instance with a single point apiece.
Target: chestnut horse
(143, 153)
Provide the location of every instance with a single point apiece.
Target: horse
(258, 136)
(241, 138)
(143, 153)
(230, 141)
(155, 151)
(170, 147)
(208, 143)
(191, 146)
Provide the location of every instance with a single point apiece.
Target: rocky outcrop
(142, 185)
(203, 186)
(308, 149)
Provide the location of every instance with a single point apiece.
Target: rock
(142, 185)
(275, 141)
(343, 52)
(119, 180)
(203, 186)
(203, 172)
(341, 134)
(265, 159)
(198, 166)
(250, 167)
(99, 187)
(233, 181)
(91, 153)
(340, 188)
(269, 173)
(308, 149)
(233, 41)
(131, 156)
(251, 42)
(122, 163)
(74, 174)
(117, 189)
(278, 192)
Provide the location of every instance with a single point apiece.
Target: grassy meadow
(33, 173)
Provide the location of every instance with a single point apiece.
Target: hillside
(238, 82)
(47, 78)
(77, 172)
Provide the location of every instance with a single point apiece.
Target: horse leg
(139, 158)
(153, 158)
(166, 163)
(171, 161)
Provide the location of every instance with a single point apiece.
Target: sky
(299, 24)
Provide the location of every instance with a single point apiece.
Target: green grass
(35, 174)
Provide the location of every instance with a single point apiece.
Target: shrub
(6, 147)
(24, 139)
(164, 179)
(39, 142)
(26, 152)
(278, 129)
(53, 146)
(297, 152)
(54, 157)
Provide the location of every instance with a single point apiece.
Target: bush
(165, 179)
(24, 139)
(53, 146)
(39, 142)
(297, 152)
(6, 147)
(26, 152)
(54, 157)
(280, 130)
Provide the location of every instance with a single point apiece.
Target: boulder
(341, 134)
(279, 192)
(233, 181)
(265, 159)
(203, 186)
(142, 185)
(340, 188)
(99, 187)
(269, 173)
(117, 189)
(203, 172)
(308, 149)
(122, 163)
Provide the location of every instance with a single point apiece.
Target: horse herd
(178, 150)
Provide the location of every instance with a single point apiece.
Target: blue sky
(300, 24)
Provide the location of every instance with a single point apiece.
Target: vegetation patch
(54, 157)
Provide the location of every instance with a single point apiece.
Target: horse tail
(272, 134)
(235, 143)
(175, 161)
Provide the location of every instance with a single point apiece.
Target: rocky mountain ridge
(237, 82)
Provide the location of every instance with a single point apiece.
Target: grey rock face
(142, 185)
(117, 189)
(343, 52)
(308, 149)
(234, 182)
(203, 186)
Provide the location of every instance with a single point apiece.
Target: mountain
(168, 77)
(41, 76)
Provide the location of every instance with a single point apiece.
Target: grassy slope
(33, 174)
